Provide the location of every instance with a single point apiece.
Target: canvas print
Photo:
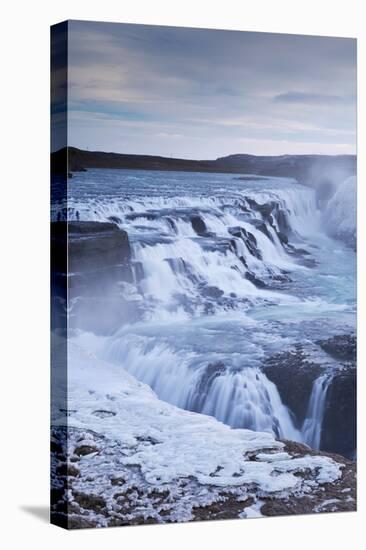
(203, 269)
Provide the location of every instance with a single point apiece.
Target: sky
(203, 94)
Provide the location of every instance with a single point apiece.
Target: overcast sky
(194, 93)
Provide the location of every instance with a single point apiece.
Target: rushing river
(227, 271)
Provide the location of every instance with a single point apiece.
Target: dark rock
(296, 449)
(65, 469)
(89, 247)
(244, 262)
(264, 209)
(72, 470)
(282, 277)
(339, 431)
(248, 238)
(99, 261)
(282, 222)
(300, 253)
(178, 265)
(294, 374)
(261, 226)
(199, 225)
(342, 347)
(254, 280)
(115, 219)
(138, 271)
(61, 469)
(57, 494)
(294, 377)
(283, 237)
(272, 212)
(147, 439)
(95, 246)
(339, 496)
(119, 481)
(89, 502)
(103, 414)
(172, 224)
(227, 508)
(212, 292)
(57, 448)
(83, 450)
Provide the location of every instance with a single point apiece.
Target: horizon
(88, 150)
(199, 94)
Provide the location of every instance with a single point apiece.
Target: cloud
(312, 99)
(212, 90)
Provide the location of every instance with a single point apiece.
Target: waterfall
(242, 398)
(206, 247)
(247, 399)
(199, 255)
(312, 426)
(196, 249)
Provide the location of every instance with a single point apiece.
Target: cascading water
(209, 254)
(312, 428)
(242, 398)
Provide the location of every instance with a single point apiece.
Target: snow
(157, 447)
(253, 511)
(324, 506)
(186, 443)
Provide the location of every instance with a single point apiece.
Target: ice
(185, 444)
(253, 511)
(203, 329)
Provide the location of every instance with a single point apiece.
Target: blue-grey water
(213, 305)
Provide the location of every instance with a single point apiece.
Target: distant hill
(302, 167)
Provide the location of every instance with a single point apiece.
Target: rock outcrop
(342, 347)
(99, 262)
(199, 225)
(294, 373)
(96, 246)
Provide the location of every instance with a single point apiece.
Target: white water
(153, 446)
(176, 261)
(341, 212)
(312, 427)
(239, 398)
(205, 328)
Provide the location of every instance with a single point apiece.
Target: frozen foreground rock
(130, 458)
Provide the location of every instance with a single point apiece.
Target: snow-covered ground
(147, 460)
